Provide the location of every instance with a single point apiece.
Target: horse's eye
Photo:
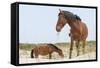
(59, 14)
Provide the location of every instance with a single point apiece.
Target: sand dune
(25, 57)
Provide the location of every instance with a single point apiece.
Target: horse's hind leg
(77, 46)
(84, 46)
(32, 51)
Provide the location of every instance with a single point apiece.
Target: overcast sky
(37, 23)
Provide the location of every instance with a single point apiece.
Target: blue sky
(37, 23)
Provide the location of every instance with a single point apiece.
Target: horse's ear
(60, 10)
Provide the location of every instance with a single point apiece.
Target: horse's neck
(74, 25)
(56, 50)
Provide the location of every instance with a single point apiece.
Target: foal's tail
(32, 53)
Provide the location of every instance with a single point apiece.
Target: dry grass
(90, 53)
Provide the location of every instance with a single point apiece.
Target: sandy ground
(24, 56)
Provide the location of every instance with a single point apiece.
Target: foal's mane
(71, 16)
(53, 46)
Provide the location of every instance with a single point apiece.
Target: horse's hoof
(69, 57)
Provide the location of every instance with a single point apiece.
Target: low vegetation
(26, 46)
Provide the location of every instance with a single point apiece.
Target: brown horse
(78, 31)
(47, 49)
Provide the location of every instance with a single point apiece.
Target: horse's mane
(53, 46)
(71, 16)
(78, 18)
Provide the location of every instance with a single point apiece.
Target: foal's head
(61, 21)
(60, 53)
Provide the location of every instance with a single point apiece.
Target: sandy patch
(24, 57)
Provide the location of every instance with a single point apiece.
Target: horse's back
(42, 50)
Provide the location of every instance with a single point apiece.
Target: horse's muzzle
(58, 28)
(62, 56)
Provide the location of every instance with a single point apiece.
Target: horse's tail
(32, 53)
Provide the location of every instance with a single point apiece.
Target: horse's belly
(75, 37)
(78, 37)
(44, 53)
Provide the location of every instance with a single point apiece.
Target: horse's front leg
(36, 55)
(50, 56)
(77, 46)
(71, 48)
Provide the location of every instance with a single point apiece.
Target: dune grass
(27, 46)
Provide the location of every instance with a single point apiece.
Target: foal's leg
(71, 48)
(50, 56)
(84, 46)
(36, 55)
(77, 46)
